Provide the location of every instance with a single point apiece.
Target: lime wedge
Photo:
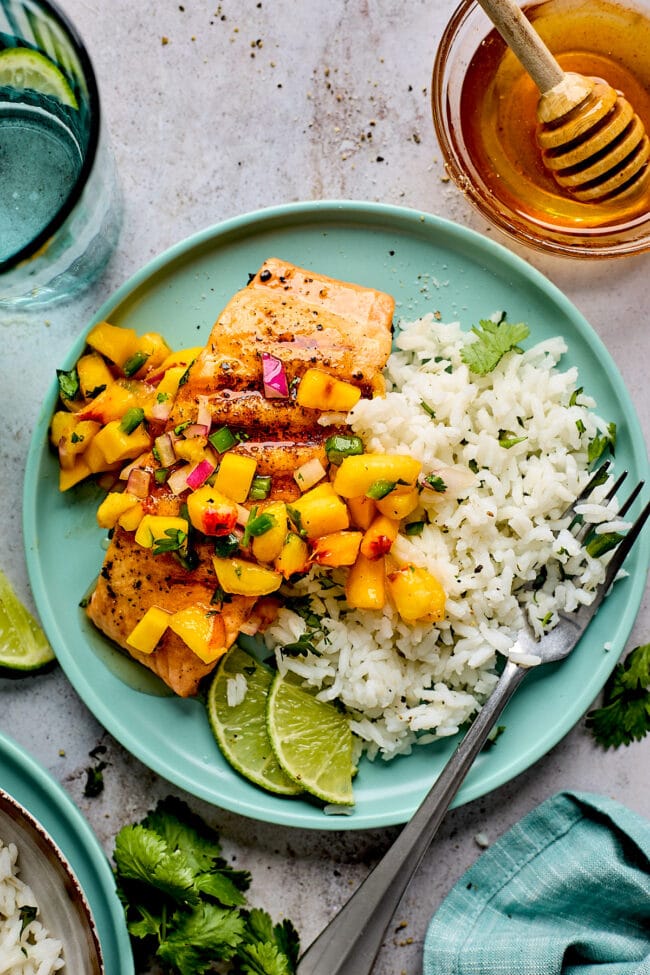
(240, 729)
(21, 67)
(312, 741)
(23, 645)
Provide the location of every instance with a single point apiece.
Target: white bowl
(64, 910)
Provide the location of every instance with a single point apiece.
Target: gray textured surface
(251, 104)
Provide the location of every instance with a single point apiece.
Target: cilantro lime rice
(26, 947)
(509, 451)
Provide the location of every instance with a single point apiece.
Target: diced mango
(416, 593)
(63, 423)
(267, 547)
(235, 476)
(146, 634)
(359, 471)
(154, 347)
(211, 512)
(319, 391)
(154, 528)
(245, 578)
(362, 511)
(96, 461)
(113, 403)
(168, 385)
(182, 358)
(365, 586)
(399, 503)
(201, 630)
(115, 444)
(337, 548)
(94, 375)
(115, 343)
(293, 557)
(191, 449)
(130, 520)
(319, 512)
(76, 441)
(114, 504)
(70, 476)
(379, 537)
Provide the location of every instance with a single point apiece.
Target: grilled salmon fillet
(306, 320)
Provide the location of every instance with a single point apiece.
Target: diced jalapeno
(342, 445)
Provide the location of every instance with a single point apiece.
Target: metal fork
(351, 941)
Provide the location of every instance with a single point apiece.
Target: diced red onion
(195, 430)
(204, 414)
(143, 459)
(139, 483)
(243, 514)
(165, 450)
(177, 480)
(161, 411)
(199, 474)
(274, 376)
(309, 473)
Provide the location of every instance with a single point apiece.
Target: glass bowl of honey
(484, 111)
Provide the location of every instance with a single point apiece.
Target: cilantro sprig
(624, 716)
(493, 340)
(186, 906)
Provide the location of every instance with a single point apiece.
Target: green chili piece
(132, 419)
(222, 439)
(379, 489)
(342, 445)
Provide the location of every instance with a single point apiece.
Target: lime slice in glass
(240, 729)
(312, 741)
(23, 645)
(21, 67)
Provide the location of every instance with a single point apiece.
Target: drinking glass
(60, 205)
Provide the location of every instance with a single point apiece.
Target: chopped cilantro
(174, 542)
(625, 713)
(435, 483)
(600, 444)
(492, 342)
(69, 387)
(27, 914)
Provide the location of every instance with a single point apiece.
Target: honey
(498, 104)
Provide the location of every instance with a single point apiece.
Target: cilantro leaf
(195, 938)
(185, 904)
(492, 342)
(624, 716)
(599, 444)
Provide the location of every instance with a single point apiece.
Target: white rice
(28, 949)
(405, 684)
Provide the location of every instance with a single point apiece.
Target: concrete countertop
(215, 109)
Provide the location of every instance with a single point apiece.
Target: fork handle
(351, 941)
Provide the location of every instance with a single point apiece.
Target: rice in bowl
(26, 946)
(513, 449)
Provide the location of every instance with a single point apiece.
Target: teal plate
(24, 779)
(428, 264)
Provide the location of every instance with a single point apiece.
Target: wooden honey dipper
(591, 140)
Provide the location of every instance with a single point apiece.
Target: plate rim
(60, 807)
(371, 215)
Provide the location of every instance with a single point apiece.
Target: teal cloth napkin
(566, 891)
